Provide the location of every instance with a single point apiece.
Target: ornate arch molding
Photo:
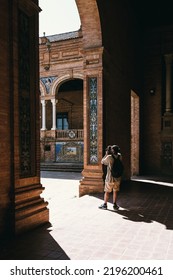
(91, 26)
(63, 78)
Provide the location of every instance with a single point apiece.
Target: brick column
(168, 115)
(92, 180)
(30, 209)
(167, 128)
(168, 60)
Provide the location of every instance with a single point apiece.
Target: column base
(30, 210)
(92, 182)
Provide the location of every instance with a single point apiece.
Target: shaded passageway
(141, 229)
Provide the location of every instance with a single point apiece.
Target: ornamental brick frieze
(73, 54)
(92, 58)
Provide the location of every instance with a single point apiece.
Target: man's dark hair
(116, 149)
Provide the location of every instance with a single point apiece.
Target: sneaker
(115, 207)
(103, 206)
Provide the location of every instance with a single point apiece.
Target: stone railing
(63, 135)
(72, 134)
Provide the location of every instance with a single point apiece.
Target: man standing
(111, 183)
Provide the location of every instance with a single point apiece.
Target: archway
(22, 203)
(131, 44)
(64, 123)
(81, 58)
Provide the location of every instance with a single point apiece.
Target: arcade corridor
(142, 229)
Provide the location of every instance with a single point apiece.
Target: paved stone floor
(142, 229)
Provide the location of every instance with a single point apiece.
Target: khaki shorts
(114, 186)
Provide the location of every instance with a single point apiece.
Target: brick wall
(158, 43)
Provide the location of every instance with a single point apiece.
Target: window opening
(62, 121)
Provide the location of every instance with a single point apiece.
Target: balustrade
(63, 135)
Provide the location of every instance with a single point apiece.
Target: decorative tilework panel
(69, 151)
(93, 126)
(26, 99)
(48, 82)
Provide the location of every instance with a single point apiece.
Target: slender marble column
(43, 102)
(168, 60)
(53, 114)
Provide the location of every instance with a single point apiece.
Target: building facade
(61, 89)
(121, 71)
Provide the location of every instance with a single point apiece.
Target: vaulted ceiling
(154, 13)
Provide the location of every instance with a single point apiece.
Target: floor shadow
(131, 215)
(145, 202)
(37, 244)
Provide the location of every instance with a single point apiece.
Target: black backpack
(117, 167)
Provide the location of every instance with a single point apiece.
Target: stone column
(53, 114)
(168, 60)
(43, 102)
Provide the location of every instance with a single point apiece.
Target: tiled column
(92, 181)
(43, 102)
(53, 114)
(168, 60)
(28, 209)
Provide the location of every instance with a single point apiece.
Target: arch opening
(62, 142)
